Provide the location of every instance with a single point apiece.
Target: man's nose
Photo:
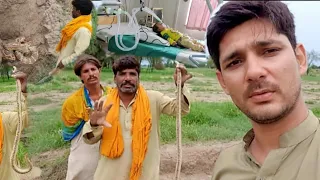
(255, 68)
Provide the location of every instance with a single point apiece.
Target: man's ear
(221, 81)
(301, 56)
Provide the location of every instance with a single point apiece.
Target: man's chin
(266, 115)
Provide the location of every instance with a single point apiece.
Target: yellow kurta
(10, 122)
(298, 157)
(119, 169)
(79, 42)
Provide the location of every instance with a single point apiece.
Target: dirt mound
(40, 21)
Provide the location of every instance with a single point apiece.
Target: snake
(18, 51)
(178, 128)
(13, 156)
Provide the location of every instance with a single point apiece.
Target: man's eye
(233, 63)
(272, 50)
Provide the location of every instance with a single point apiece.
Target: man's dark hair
(84, 6)
(234, 13)
(84, 59)
(126, 62)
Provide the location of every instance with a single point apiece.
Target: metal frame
(209, 5)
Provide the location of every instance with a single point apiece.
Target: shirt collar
(293, 136)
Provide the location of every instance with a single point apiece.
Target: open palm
(98, 115)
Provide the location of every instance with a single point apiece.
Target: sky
(307, 23)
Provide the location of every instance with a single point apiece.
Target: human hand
(184, 74)
(60, 65)
(22, 77)
(98, 115)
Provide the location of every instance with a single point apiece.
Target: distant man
(259, 64)
(75, 36)
(83, 158)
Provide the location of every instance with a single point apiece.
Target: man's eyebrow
(230, 56)
(256, 43)
(266, 43)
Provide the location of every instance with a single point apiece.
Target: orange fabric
(68, 31)
(1, 137)
(112, 141)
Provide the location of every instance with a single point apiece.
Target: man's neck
(126, 98)
(267, 136)
(94, 91)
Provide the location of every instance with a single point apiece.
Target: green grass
(7, 85)
(44, 131)
(206, 121)
(316, 111)
(38, 101)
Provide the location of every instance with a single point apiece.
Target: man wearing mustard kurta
(83, 158)
(127, 122)
(8, 126)
(259, 64)
(75, 36)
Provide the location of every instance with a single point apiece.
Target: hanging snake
(178, 128)
(13, 156)
(18, 54)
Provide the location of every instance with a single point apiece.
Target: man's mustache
(264, 86)
(127, 83)
(92, 77)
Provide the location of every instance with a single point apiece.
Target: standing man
(129, 128)
(75, 36)
(259, 64)
(8, 126)
(83, 158)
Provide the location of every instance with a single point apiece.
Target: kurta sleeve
(83, 37)
(91, 135)
(169, 105)
(10, 119)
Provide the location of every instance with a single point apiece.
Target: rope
(178, 128)
(13, 157)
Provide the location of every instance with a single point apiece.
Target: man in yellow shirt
(129, 128)
(177, 38)
(83, 158)
(259, 64)
(75, 36)
(8, 126)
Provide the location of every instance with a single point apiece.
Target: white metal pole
(210, 6)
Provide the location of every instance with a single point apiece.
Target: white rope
(178, 127)
(13, 156)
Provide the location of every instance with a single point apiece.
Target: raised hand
(98, 115)
(184, 74)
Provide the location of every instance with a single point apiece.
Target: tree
(313, 57)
